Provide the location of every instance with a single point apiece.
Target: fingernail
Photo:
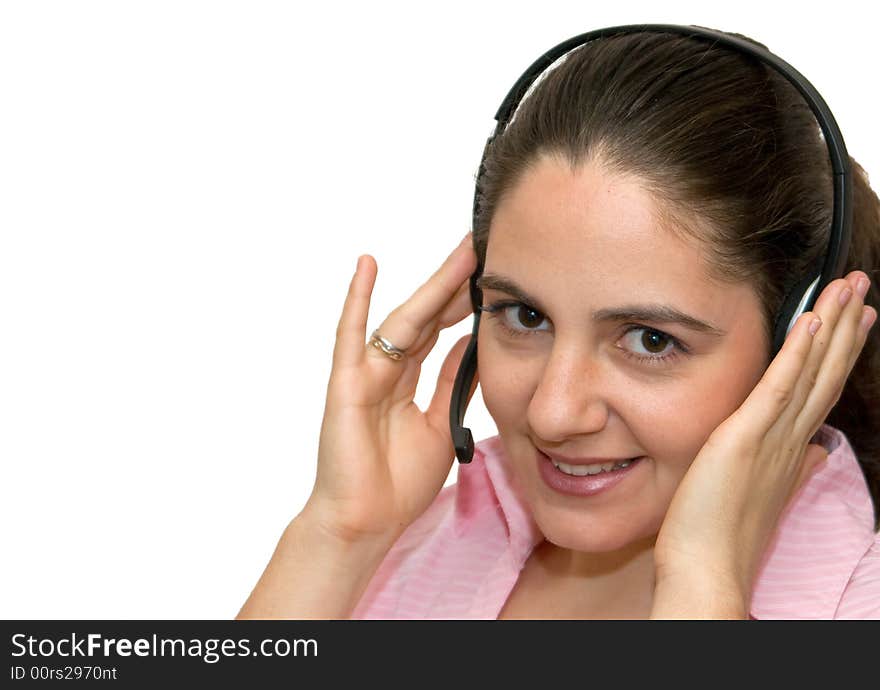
(845, 295)
(814, 325)
(862, 287)
(868, 319)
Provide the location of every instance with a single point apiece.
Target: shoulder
(861, 596)
(823, 551)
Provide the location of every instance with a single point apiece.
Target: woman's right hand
(381, 460)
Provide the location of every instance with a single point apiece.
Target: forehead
(592, 227)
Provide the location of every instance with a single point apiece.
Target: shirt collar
(489, 475)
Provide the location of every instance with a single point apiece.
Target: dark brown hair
(736, 159)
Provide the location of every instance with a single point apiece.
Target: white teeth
(582, 470)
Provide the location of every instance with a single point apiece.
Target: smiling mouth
(585, 470)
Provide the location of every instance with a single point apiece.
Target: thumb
(438, 410)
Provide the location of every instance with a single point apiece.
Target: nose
(571, 397)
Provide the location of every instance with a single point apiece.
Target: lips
(585, 485)
(584, 461)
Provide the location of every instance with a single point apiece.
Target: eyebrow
(652, 313)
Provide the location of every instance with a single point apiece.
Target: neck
(619, 578)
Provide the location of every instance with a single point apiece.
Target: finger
(869, 315)
(834, 368)
(457, 309)
(352, 327)
(405, 325)
(775, 391)
(829, 309)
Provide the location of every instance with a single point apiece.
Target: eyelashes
(498, 311)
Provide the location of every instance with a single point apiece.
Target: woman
(639, 223)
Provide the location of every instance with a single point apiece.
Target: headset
(799, 299)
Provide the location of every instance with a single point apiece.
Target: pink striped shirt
(461, 558)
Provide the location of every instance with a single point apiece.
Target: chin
(594, 538)
(595, 532)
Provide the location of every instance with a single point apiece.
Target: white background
(185, 188)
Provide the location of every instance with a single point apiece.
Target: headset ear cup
(800, 299)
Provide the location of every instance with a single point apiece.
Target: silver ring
(385, 346)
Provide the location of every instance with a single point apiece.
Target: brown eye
(654, 341)
(528, 317)
(525, 321)
(651, 346)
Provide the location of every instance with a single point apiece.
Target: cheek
(506, 383)
(724, 385)
(668, 422)
(678, 423)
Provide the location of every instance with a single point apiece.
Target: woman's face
(619, 387)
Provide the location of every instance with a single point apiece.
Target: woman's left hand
(729, 502)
